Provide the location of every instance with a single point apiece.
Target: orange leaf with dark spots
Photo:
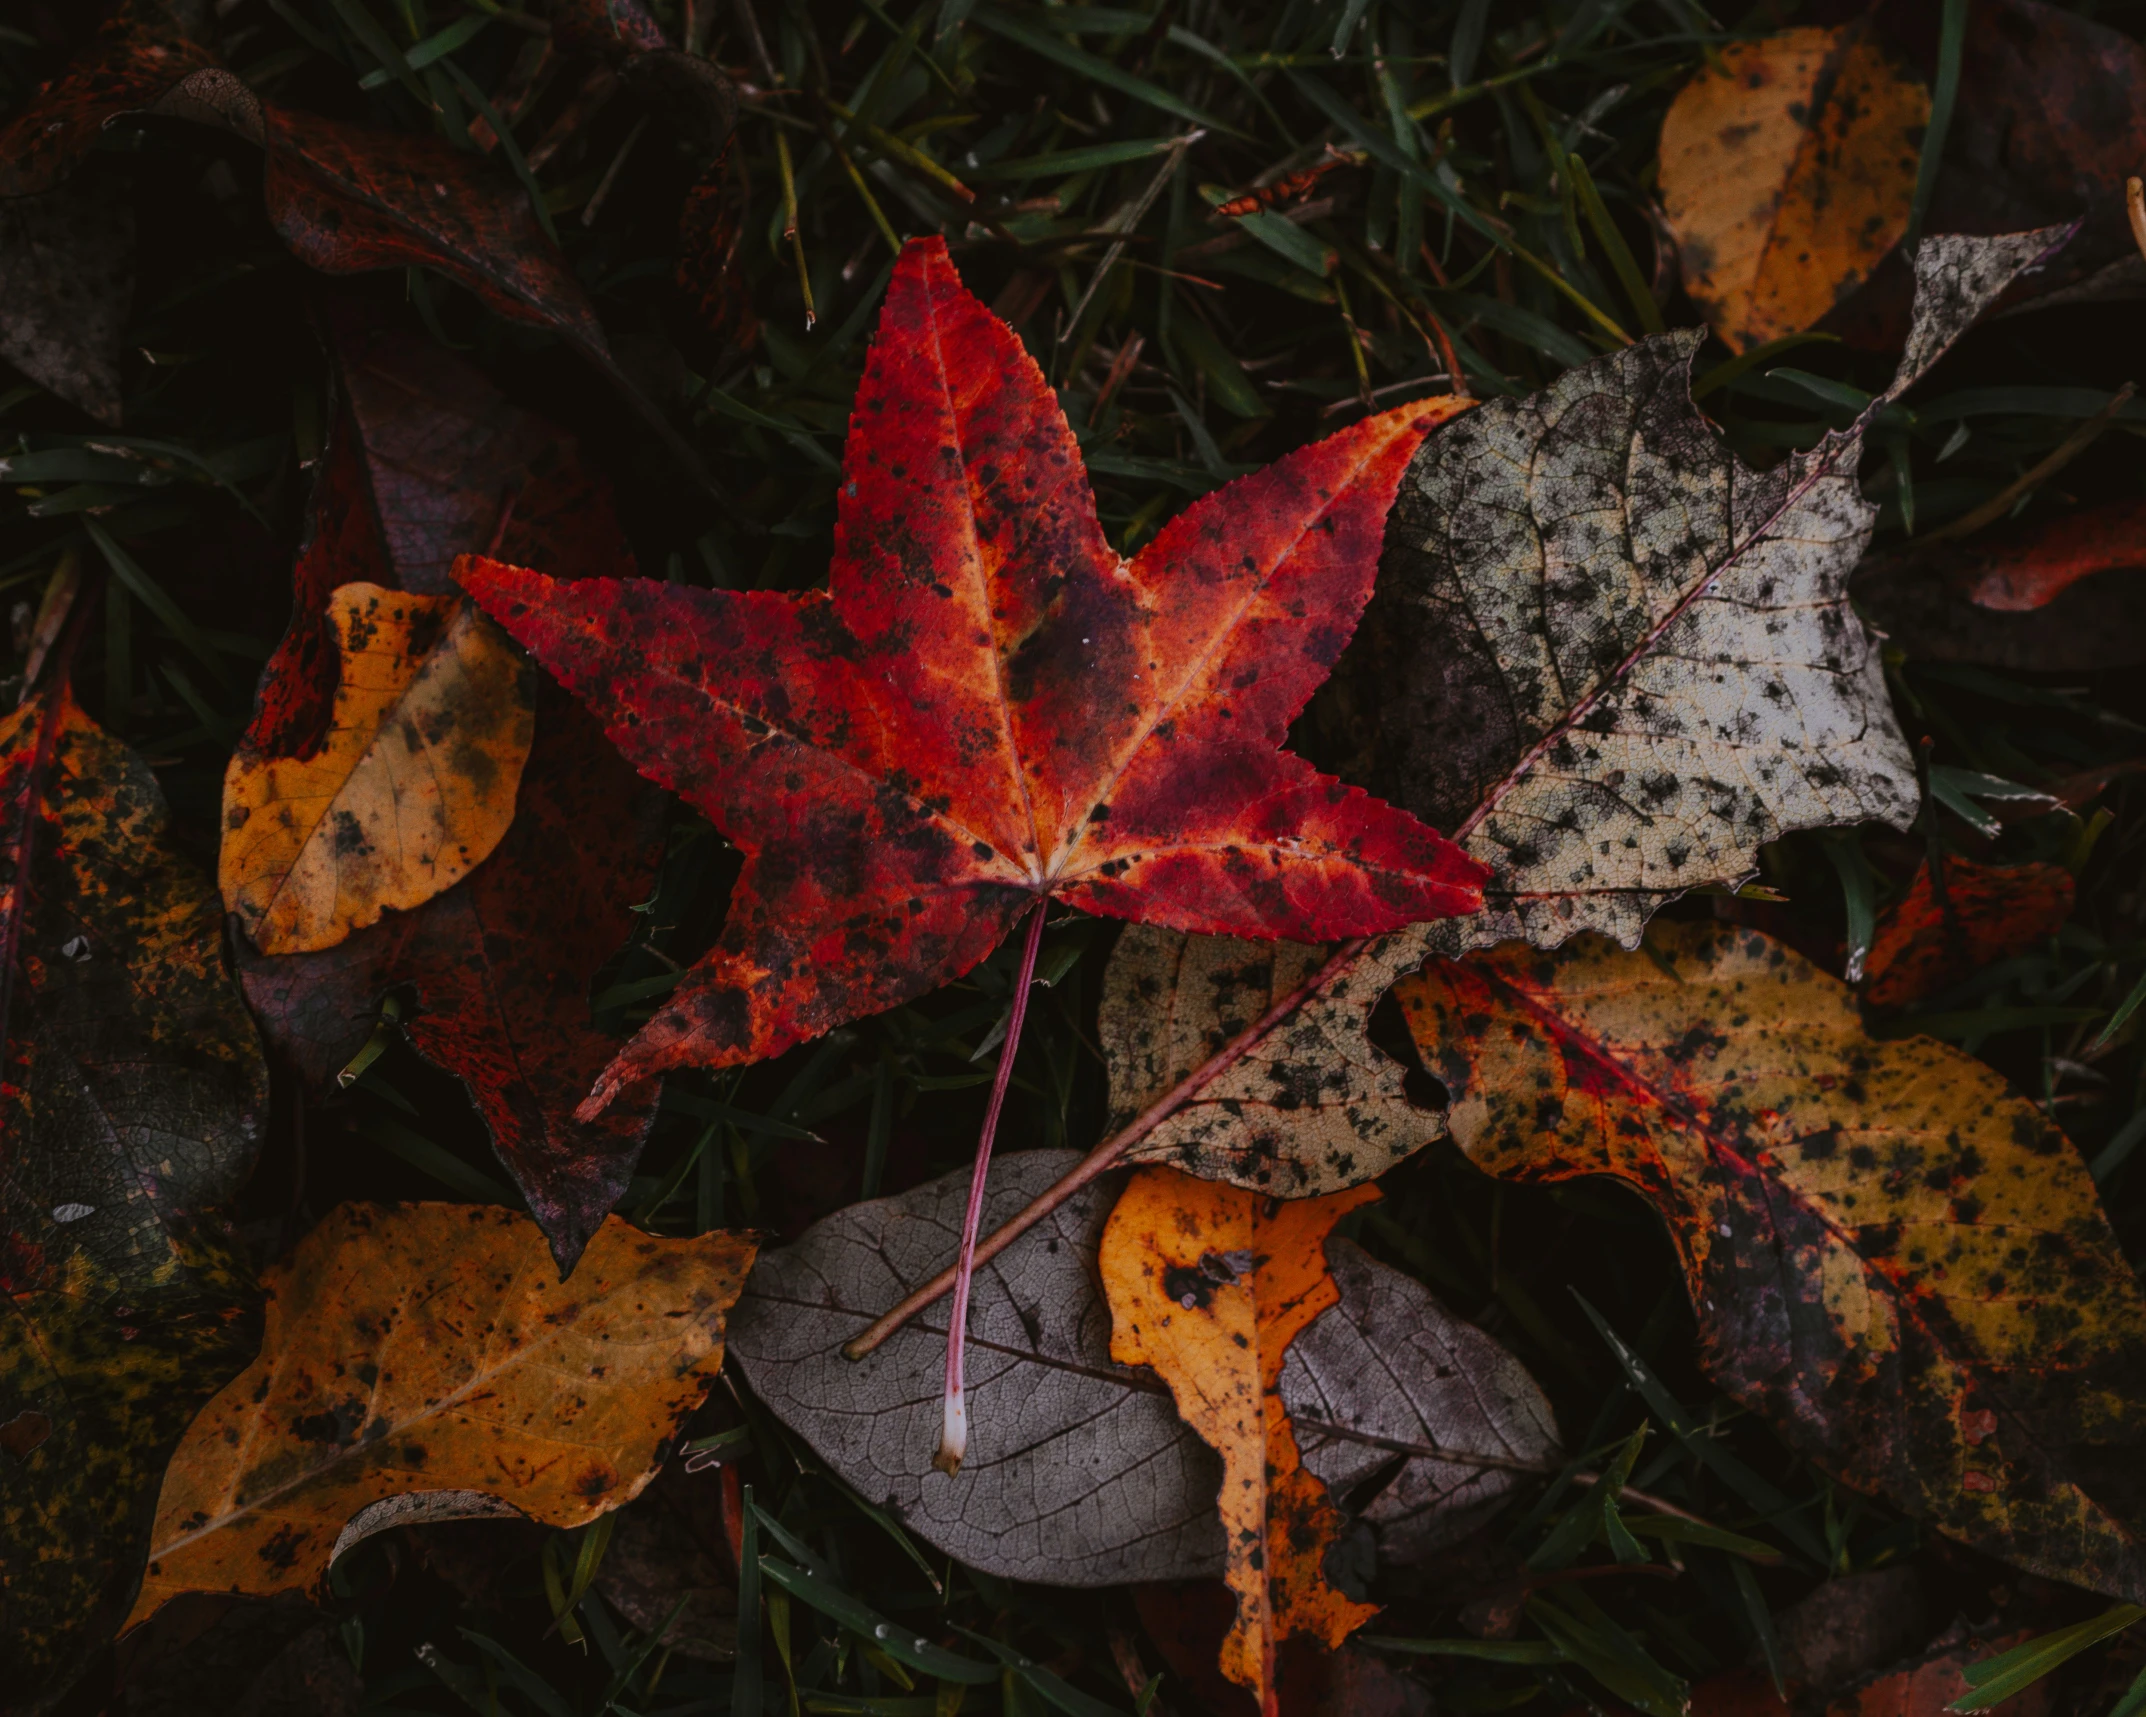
(1896, 1259)
(431, 1347)
(1209, 1284)
(1985, 912)
(991, 707)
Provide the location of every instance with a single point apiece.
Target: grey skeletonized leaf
(66, 285)
(1079, 1472)
(1389, 1362)
(1615, 661)
(1612, 661)
(1279, 1121)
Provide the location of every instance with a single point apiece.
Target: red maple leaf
(991, 708)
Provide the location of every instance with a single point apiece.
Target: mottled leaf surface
(1615, 660)
(1078, 1471)
(423, 1347)
(989, 706)
(1894, 1257)
(1279, 1121)
(1787, 168)
(1944, 930)
(413, 784)
(1392, 1365)
(1210, 1284)
(66, 285)
(132, 1109)
(500, 966)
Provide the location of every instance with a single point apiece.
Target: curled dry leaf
(132, 1109)
(414, 782)
(500, 966)
(1276, 1122)
(1078, 1472)
(428, 1347)
(989, 706)
(1787, 169)
(66, 285)
(1897, 1260)
(1387, 1371)
(1209, 1284)
(1986, 912)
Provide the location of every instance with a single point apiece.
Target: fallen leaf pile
(1429, 1002)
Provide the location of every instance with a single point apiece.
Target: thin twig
(2074, 444)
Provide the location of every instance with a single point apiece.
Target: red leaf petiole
(954, 1438)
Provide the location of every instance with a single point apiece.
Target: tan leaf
(432, 1347)
(412, 787)
(1282, 1120)
(1787, 170)
(1209, 1284)
(1893, 1256)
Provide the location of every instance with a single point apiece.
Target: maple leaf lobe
(988, 704)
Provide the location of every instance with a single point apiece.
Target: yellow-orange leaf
(1209, 1284)
(432, 1347)
(1899, 1261)
(1787, 171)
(412, 787)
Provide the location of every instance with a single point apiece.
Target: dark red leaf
(426, 460)
(347, 198)
(134, 60)
(501, 965)
(1987, 912)
(990, 706)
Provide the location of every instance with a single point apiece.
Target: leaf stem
(954, 1439)
(1106, 1155)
